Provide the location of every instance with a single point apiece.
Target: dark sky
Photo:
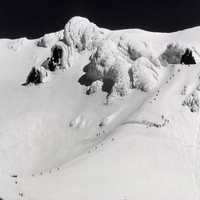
(19, 18)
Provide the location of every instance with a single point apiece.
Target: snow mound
(48, 40)
(122, 66)
(81, 34)
(17, 44)
(144, 74)
(134, 49)
(107, 65)
(66, 58)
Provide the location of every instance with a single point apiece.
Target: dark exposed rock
(187, 58)
(84, 80)
(34, 76)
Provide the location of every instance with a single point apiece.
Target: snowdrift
(81, 34)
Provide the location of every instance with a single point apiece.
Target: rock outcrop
(95, 86)
(36, 76)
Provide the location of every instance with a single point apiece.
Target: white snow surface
(56, 142)
(48, 40)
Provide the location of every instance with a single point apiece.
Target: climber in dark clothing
(187, 58)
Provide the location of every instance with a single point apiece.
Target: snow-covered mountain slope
(134, 136)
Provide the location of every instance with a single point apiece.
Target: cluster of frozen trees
(117, 63)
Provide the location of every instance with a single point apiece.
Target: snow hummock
(48, 40)
(82, 34)
(16, 44)
(136, 48)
